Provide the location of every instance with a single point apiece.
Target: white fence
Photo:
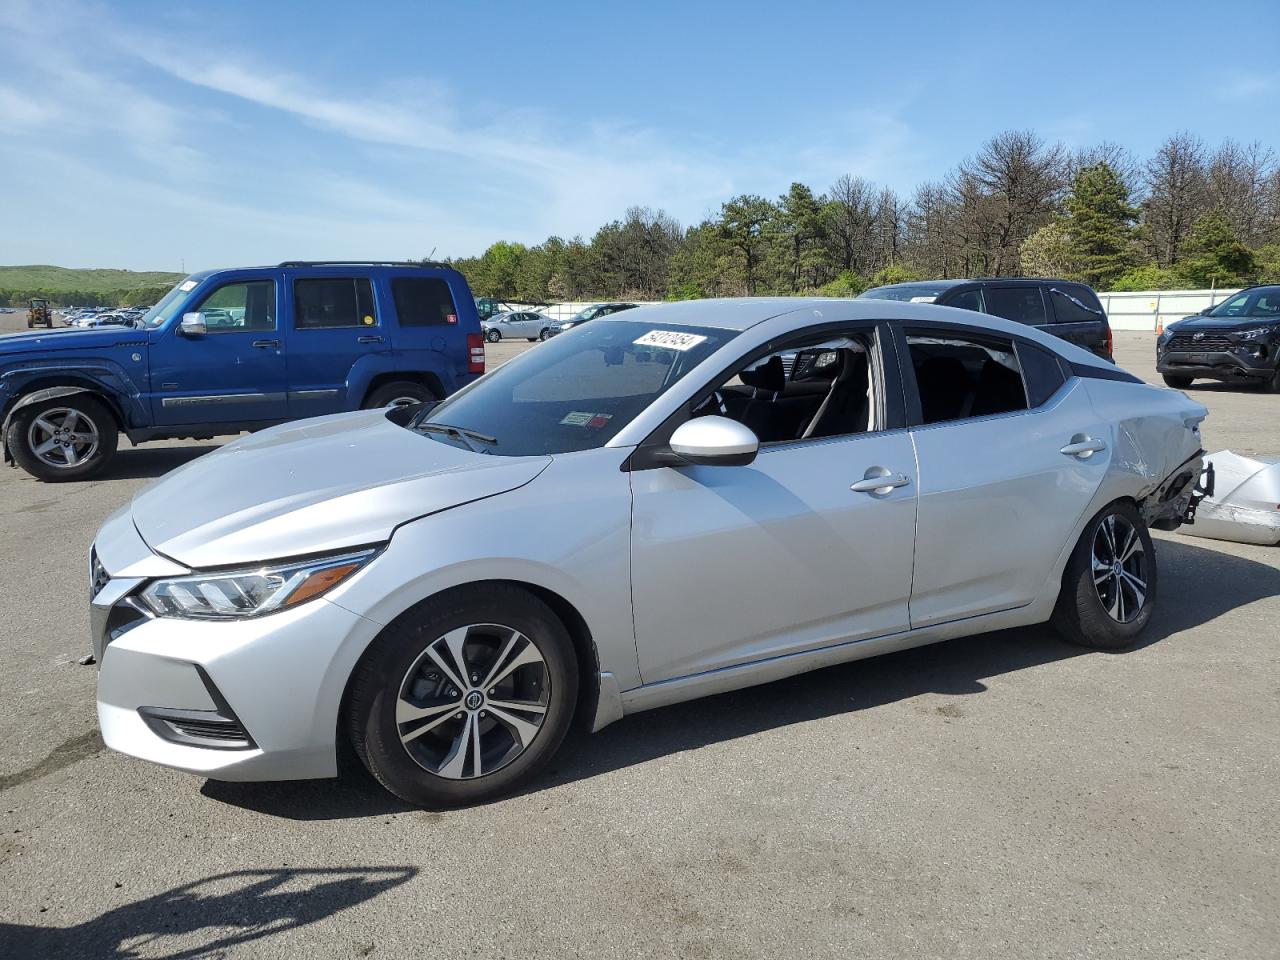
(1140, 310)
(1151, 309)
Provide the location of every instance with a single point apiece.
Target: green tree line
(1187, 216)
(137, 296)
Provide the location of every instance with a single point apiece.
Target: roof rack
(364, 263)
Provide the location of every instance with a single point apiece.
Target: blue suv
(232, 350)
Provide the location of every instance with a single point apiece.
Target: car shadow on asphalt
(1198, 585)
(210, 916)
(147, 463)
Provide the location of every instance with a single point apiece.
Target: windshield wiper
(460, 433)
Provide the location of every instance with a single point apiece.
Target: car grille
(1208, 342)
(223, 731)
(98, 576)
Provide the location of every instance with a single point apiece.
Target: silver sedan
(510, 326)
(668, 503)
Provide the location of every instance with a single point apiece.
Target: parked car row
(530, 325)
(90, 317)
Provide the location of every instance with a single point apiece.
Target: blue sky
(157, 135)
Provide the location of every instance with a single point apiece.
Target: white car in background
(648, 509)
(515, 325)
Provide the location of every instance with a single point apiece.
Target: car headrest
(770, 376)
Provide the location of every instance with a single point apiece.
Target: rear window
(333, 302)
(906, 292)
(423, 302)
(1074, 304)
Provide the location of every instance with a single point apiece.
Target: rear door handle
(879, 480)
(266, 344)
(1083, 446)
(368, 339)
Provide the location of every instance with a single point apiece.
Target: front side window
(333, 302)
(423, 302)
(1020, 304)
(574, 392)
(958, 377)
(237, 307)
(809, 389)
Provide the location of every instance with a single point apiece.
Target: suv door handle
(266, 344)
(368, 339)
(1083, 446)
(879, 480)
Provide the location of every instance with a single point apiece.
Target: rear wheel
(1109, 588)
(465, 698)
(1176, 381)
(398, 393)
(66, 438)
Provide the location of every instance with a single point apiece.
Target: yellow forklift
(39, 314)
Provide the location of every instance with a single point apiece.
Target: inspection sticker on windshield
(669, 340)
(188, 286)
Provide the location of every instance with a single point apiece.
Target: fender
(367, 368)
(48, 393)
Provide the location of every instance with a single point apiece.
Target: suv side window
(967, 300)
(333, 302)
(959, 376)
(1020, 304)
(423, 302)
(237, 307)
(1070, 307)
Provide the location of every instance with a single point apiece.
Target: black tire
(391, 663)
(1176, 381)
(542, 334)
(493, 336)
(1082, 614)
(532, 339)
(1272, 385)
(398, 393)
(23, 428)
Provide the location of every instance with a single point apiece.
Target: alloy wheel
(1119, 568)
(63, 437)
(473, 701)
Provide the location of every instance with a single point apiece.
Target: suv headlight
(1255, 334)
(237, 594)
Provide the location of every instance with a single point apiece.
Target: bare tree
(889, 214)
(852, 222)
(1237, 182)
(1175, 181)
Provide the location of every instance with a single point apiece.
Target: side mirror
(193, 325)
(715, 442)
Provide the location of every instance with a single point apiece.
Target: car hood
(69, 338)
(1222, 324)
(313, 487)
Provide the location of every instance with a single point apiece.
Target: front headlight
(236, 594)
(1255, 334)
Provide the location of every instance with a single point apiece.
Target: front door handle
(266, 344)
(880, 481)
(1083, 446)
(368, 339)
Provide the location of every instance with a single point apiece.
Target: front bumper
(1239, 363)
(169, 690)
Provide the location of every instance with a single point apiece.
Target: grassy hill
(68, 280)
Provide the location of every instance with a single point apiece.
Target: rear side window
(960, 377)
(333, 302)
(1020, 304)
(968, 300)
(1041, 371)
(1071, 306)
(423, 302)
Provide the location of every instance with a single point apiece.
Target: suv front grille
(1209, 342)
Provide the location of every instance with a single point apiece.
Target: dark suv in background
(1237, 341)
(1064, 308)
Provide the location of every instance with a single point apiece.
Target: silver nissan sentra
(663, 504)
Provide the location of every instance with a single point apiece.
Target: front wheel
(1176, 381)
(493, 336)
(1109, 587)
(542, 334)
(66, 438)
(464, 698)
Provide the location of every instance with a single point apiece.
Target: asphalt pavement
(1003, 795)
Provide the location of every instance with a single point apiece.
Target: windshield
(573, 392)
(167, 304)
(906, 292)
(587, 313)
(1262, 302)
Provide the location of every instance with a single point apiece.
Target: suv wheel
(399, 393)
(464, 698)
(493, 336)
(1176, 381)
(66, 438)
(1109, 588)
(1272, 385)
